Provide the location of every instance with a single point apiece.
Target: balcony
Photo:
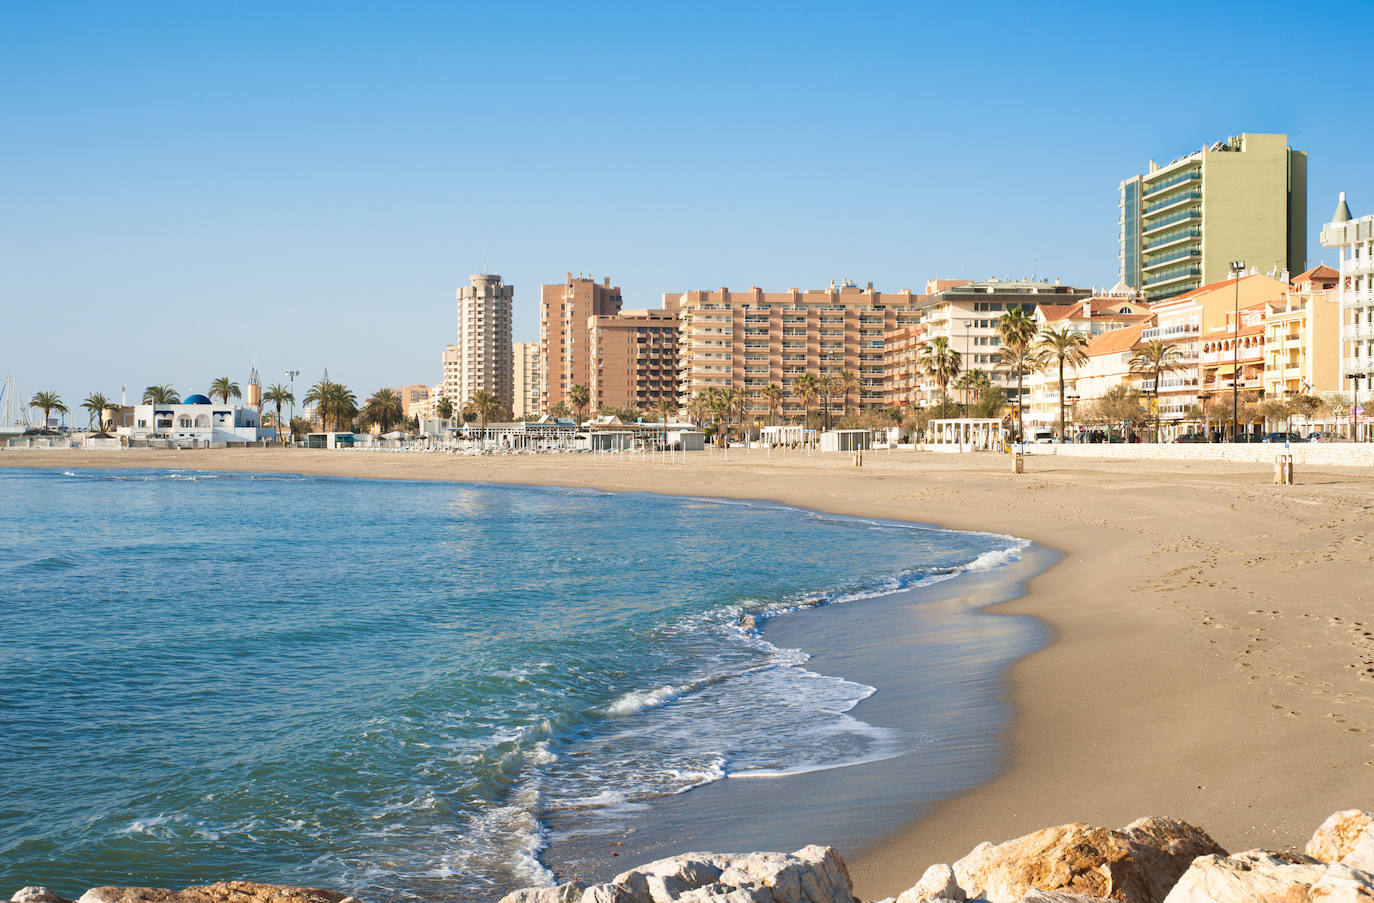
(1357, 266)
(1363, 331)
(1156, 189)
(1181, 254)
(1186, 197)
(1171, 238)
(1172, 331)
(1181, 216)
(1164, 277)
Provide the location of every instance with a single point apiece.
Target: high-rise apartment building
(1183, 223)
(636, 359)
(526, 380)
(565, 348)
(484, 339)
(453, 382)
(1353, 240)
(752, 338)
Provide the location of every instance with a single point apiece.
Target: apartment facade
(527, 380)
(1231, 358)
(966, 315)
(1302, 337)
(565, 342)
(903, 384)
(635, 354)
(1353, 240)
(415, 400)
(484, 338)
(452, 385)
(749, 339)
(1183, 223)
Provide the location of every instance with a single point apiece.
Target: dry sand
(1213, 652)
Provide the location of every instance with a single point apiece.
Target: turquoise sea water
(389, 687)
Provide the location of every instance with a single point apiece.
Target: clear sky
(184, 185)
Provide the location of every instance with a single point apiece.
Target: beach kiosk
(963, 434)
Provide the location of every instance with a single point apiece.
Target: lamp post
(1072, 399)
(291, 375)
(1355, 408)
(968, 341)
(1237, 267)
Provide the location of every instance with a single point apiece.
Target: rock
(37, 895)
(1257, 876)
(1346, 837)
(748, 622)
(938, 883)
(812, 874)
(1137, 864)
(219, 892)
(1054, 896)
(1343, 884)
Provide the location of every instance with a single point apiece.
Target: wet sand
(1212, 635)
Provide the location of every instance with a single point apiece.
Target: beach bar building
(196, 421)
(962, 434)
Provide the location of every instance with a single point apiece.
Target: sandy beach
(1212, 653)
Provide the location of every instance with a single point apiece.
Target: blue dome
(195, 399)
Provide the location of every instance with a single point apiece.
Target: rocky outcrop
(1262, 876)
(1136, 864)
(810, 875)
(938, 883)
(219, 892)
(37, 895)
(1346, 837)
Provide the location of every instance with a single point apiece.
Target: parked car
(1192, 437)
(1322, 436)
(1042, 437)
(1282, 437)
(1247, 437)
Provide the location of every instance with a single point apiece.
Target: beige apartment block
(1182, 320)
(1183, 223)
(565, 340)
(966, 314)
(452, 383)
(636, 359)
(1302, 337)
(415, 400)
(1353, 240)
(1108, 365)
(903, 383)
(484, 338)
(526, 380)
(752, 338)
(1232, 357)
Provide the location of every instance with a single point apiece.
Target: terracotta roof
(1053, 312)
(1116, 341)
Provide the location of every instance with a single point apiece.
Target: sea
(394, 688)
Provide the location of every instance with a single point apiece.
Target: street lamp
(968, 341)
(291, 375)
(1072, 399)
(1355, 408)
(1237, 268)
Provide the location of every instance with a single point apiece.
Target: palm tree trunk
(1061, 399)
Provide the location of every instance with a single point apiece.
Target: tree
(278, 395)
(579, 396)
(1118, 405)
(47, 402)
(829, 386)
(161, 395)
(559, 409)
(773, 394)
(941, 363)
(1062, 346)
(300, 426)
(318, 395)
(334, 400)
(1155, 358)
(1016, 331)
(443, 408)
(666, 406)
(805, 389)
(848, 382)
(383, 410)
(225, 387)
(96, 404)
(485, 406)
(736, 401)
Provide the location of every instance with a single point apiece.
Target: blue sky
(185, 185)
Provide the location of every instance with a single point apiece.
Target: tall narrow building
(1183, 223)
(565, 350)
(1353, 240)
(527, 380)
(484, 339)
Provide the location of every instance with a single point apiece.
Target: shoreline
(1195, 667)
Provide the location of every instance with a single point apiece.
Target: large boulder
(37, 895)
(1262, 876)
(219, 892)
(1136, 864)
(1346, 837)
(813, 874)
(938, 883)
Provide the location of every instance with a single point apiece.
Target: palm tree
(161, 395)
(279, 395)
(224, 387)
(848, 383)
(806, 390)
(829, 386)
(443, 408)
(940, 362)
(558, 409)
(736, 403)
(383, 410)
(343, 404)
(579, 397)
(1155, 358)
(1062, 346)
(1016, 331)
(486, 406)
(773, 394)
(318, 395)
(47, 402)
(96, 404)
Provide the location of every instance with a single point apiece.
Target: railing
(1169, 258)
(1165, 203)
(1172, 274)
(1172, 237)
(1176, 180)
(1363, 331)
(1170, 220)
(1355, 266)
(1173, 329)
